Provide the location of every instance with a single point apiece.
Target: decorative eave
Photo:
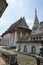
(18, 30)
(6, 32)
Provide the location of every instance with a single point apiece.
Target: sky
(21, 8)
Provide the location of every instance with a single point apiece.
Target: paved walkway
(1, 61)
(21, 59)
(25, 59)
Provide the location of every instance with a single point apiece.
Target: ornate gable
(23, 24)
(20, 23)
(18, 26)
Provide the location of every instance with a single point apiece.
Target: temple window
(26, 34)
(34, 38)
(31, 38)
(19, 48)
(18, 34)
(40, 38)
(33, 49)
(25, 48)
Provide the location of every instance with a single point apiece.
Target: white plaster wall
(37, 49)
(15, 38)
(9, 39)
(1, 40)
(5, 39)
(11, 42)
(42, 37)
(29, 47)
(20, 34)
(26, 34)
(37, 46)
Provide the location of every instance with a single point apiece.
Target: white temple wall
(29, 46)
(20, 34)
(15, 38)
(9, 39)
(5, 39)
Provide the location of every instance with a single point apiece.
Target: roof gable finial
(35, 12)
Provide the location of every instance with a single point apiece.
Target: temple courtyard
(22, 59)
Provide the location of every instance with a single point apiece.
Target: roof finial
(35, 12)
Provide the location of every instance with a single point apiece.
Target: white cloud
(30, 23)
(18, 3)
(1, 32)
(4, 24)
(10, 1)
(3, 21)
(15, 9)
(15, 3)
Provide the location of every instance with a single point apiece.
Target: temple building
(33, 42)
(16, 30)
(25, 39)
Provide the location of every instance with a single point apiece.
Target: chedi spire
(36, 22)
(35, 12)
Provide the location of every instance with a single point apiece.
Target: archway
(33, 49)
(25, 48)
(19, 48)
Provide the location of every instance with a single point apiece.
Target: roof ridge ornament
(35, 12)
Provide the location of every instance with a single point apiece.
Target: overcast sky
(21, 8)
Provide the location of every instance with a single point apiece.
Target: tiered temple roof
(19, 25)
